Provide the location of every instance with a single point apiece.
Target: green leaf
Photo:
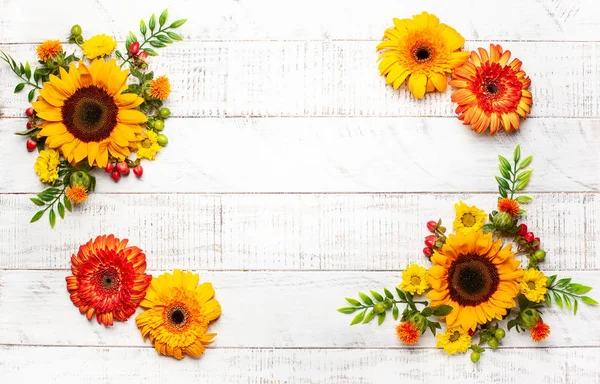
(388, 294)
(427, 311)
(143, 28)
(132, 37)
(174, 36)
(502, 182)
(523, 199)
(150, 51)
(524, 175)
(52, 217)
(563, 282)
(30, 95)
(38, 215)
(521, 185)
(575, 306)
(558, 299)
(19, 87)
(157, 44)
(517, 154)
(522, 212)
(525, 162)
(401, 294)
(502, 191)
(589, 300)
(548, 299)
(177, 23)
(550, 280)
(358, 318)
(37, 202)
(353, 301)
(504, 163)
(505, 173)
(381, 318)
(442, 310)
(578, 288)
(370, 316)
(366, 299)
(348, 310)
(68, 204)
(377, 296)
(395, 312)
(27, 70)
(61, 210)
(152, 22)
(164, 39)
(45, 197)
(163, 17)
(488, 228)
(567, 302)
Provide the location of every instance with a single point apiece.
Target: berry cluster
(529, 244)
(433, 242)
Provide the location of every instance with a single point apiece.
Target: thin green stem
(554, 289)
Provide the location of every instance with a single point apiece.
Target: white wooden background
(294, 177)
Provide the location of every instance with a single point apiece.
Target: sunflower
(413, 280)
(540, 331)
(148, 146)
(492, 92)
(49, 49)
(474, 275)
(98, 46)
(87, 116)
(408, 332)
(468, 218)
(422, 50)
(160, 88)
(178, 313)
(509, 206)
(454, 340)
(108, 279)
(46, 166)
(76, 193)
(533, 285)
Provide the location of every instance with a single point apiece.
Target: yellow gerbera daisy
(533, 285)
(160, 88)
(454, 340)
(49, 49)
(413, 280)
(474, 275)
(98, 46)
(148, 146)
(87, 115)
(178, 313)
(422, 50)
(468, 218)
(46, 166)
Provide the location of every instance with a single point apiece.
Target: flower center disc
(422, 53)
(468, 220)
(90, 114)
(492, 88)
(531, 285)
(415, 280)
(178, 316)
(109, 280)
(473, 279)
(455, 336)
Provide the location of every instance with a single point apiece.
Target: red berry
(109, 167)
(427, 251)
(430, 240)
(138, 170)
(115, 176)
(144, 57)
(134, 47)
(123, 168)
(432, 225)
(28, 125)
(529, 236)
(31, 145)
(522, 230)
(29, 111)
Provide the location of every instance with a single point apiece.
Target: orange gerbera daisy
(49, 49)
(540, 331)
(408, 332)
(509, 206)
(422, 50)
(160, 88)
(76, 194)
(108, 279)
(492, 93)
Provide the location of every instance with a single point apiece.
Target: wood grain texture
(336, 78)
(310, 19)
(306, 366)
(284, 231)
(338, 155)
(260, 310)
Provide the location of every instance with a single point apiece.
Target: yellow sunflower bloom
(474, 275)
(148, 147)
(533, 285)
(468, 218)
(87, 115)
(98, 46)
(160, 88)
(413, 280)
(46, 166)
(422, 50)
(48, 49)
(454, 340)
(178, 313)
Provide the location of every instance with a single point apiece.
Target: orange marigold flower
(49, 49)
(108, 279)
(76, 194)
(540, 331)
(509, 206)
(492, 92)
(408, 333)
(160, 88)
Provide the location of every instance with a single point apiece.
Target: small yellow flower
(454, 340)
(148, 146)
(76, 194)
(98, 46)
(160, 88)
(468, 218)
(413, 280)
(46, 166)
(49, 49)
(533, 285)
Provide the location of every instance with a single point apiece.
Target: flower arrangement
(90, 113)
(476, 281)
(109, 281)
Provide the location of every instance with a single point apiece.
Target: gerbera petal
(440, 81)
(417, 84)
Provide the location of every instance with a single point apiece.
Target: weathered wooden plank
(338, 155)
(260, 309)
(283, 231)
(336, 78)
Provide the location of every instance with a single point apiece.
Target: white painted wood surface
(295, 177)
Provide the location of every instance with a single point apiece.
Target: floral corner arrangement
(92, 113)
(476, 280)
(492, 92)
(109, 281)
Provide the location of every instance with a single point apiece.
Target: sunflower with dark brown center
(87, 115)
(474, 275)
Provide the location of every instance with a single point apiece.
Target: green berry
(379, 308)
(493, 343)
(500, 334)
(80, 178)
(475, 356)
(159, 125)
(388, 303)
(151, 123)
(162, 140)
(539, 255)
(164, 113)
(76, 30)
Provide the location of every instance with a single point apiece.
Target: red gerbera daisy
(509, 206)
(408, 333)
(108, 279)
(540, 331)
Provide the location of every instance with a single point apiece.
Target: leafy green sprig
(514, 177)
(566, 294)
(24, 72)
